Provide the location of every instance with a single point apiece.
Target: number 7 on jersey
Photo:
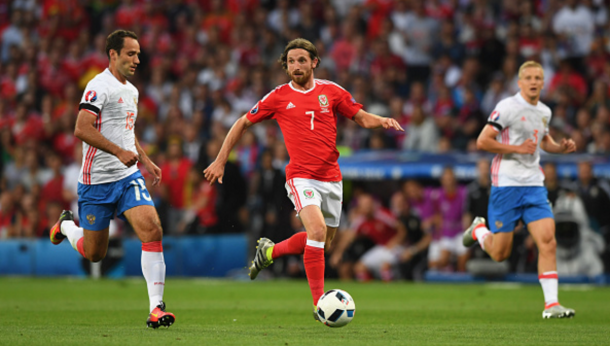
(312, 116)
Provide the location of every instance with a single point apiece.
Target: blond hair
(529, 64)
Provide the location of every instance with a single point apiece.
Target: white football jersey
(116, 107)
(516, 120)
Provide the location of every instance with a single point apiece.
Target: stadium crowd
(439, 66)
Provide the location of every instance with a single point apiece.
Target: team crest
(499, 224)
(545, 122)
(91, 219)
(323, 100)
(308, 193)
(90, 96)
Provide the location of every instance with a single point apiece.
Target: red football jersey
(308, 120)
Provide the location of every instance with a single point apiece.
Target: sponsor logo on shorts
(91, 219)
(308, 193)
(499, 224)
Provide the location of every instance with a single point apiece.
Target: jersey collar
(522, 100)
(301, 91)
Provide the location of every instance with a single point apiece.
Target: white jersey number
(139, 194)
(312, 116)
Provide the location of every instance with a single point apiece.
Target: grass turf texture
(218, 312)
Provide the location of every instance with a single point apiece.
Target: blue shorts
(508, 204)
(98, 203)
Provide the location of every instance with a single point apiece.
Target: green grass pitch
(80, 312)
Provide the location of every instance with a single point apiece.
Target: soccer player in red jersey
(306, 110)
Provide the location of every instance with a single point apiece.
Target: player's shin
(313, 258)
(549, 281)
(73, 233)
(153, 268)
(294, 245)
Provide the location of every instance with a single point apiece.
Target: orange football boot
(55, 233)
(158, 317)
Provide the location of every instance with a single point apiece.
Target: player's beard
(302, 79)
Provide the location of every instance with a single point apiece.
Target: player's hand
(215, 171)
(567, 146)
(155, 171)
(390, 123)
(527, 147)
(127, 157)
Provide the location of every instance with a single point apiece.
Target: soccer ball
(336, 308)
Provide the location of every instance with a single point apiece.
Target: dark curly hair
(302, 44)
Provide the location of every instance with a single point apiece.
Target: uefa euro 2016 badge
(499, 224)
(135, 100)
(545, 121)
(308, 193)
(91, 219)
(91, 96)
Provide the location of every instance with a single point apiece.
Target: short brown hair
(529, 64)
(117, 39)
(296, 44)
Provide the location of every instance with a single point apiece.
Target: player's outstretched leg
(56, 236)
(558, 311)
(469, 238)
(262, 258)
(66, 228)
(159, 317)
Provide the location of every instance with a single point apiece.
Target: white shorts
(453, 245)
(379, 255)
(327, 195)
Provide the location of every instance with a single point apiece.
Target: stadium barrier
(393, 165)
(213, 255)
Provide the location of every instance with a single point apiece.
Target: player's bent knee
(548, 245)
(317, 233)
(96, 256)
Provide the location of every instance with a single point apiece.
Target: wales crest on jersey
(323, 100)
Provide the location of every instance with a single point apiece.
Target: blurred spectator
(420, 32)
(551, 181)
(448, 204)
(200, 216)
(595, 198)
(175, 175)
(421, 133)
(373, 243)
(574, 24)
(414, 258)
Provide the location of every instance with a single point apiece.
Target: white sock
(153, 268)
(72, 232)
(480, 233)
(549, 282)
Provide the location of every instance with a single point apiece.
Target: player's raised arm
(372, 121)
(487, 141)
(216, 169)
(85, 131)
(549, 145)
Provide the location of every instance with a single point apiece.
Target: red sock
(294, 245)
(80, 246)
(313, 259)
